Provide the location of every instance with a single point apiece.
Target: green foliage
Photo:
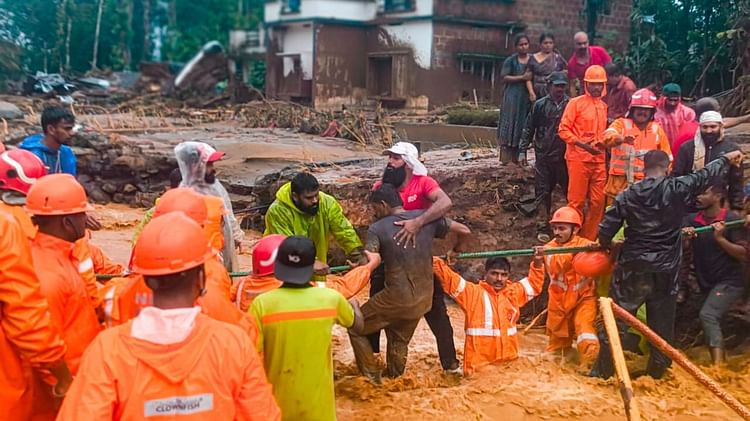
(39, 29)
(472, 117)
(673, 41)
(258, 75)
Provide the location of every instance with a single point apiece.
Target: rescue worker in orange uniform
(491, 307)
(131, 294)
(630, 138)
(263, 279)
(59, 205)
(582, 128)
(28, 340)
(19, 170)
(571, 309)
(172, 361)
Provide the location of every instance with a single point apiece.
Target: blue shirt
(61, 161)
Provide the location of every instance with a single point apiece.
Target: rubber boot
(718, 356)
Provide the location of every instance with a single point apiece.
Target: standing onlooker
(688, 130)
(620, 90)
(585, 56)
(542, 64)
(52, 145)
(671, 113)
(550, 168)
(709, 144)
(719, 260)
(515, 101)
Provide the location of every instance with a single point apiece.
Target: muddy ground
(535, 387)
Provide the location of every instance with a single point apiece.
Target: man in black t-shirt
(407, 294)
(719, 260)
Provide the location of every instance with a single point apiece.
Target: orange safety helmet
(264, 254)
(57, 194)
(171, 243)
(185, 200)
(643, 98)
(566, 215)
(19, 170)
(595, 74)
(592, 264)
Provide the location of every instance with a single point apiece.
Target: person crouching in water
(491, 307)
(571, 310)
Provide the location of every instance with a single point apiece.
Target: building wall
(350, 10)
(418, 35)
(485, 10)
(340, 67)
(564, 18)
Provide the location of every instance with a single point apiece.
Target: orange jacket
(102, 263)
(63, 287)
(82, 254)
(627, 159)
(491, 316)
(215, 374)
(125, 297)
(27, 337)
(584, 120)
(348, 285)
(22, 217)
(213, 226)
(567, 289)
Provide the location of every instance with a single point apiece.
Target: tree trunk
(146, 30)
(96, 34)
(61, 41)
(67, 44)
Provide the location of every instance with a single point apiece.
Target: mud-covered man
(407, 294)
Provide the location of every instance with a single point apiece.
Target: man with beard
(418, 191)
(196, 161)
(407, 294)
(688, 130)
(652, 212)
(707, 145)
(719, 260)
(301, 208)
(585, 56)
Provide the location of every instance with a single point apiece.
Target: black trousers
(547, 175)
(630, 289)
(437, 319)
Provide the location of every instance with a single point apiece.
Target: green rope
(488, 254)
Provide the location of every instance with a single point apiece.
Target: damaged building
(414, 54)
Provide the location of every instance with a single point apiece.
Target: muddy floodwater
(535, 387)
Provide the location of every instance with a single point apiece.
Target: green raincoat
(283, 217)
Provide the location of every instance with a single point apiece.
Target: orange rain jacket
(627, 160)
(571, 310)
(64, 289)
(82, 254)
(22, 217)
(102, 263)
(348, 285)
(27, 337)
(584, 120)
(215, 374)
(125, 297)
(491, 316)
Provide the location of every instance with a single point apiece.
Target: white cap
(410, 155)
(711, 117)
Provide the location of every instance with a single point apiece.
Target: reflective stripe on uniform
(586, 337)
(487, 310)
(86, 265)
(512, 331)
(298, 315)
(109, 299)
(482, 332)
(460, 288)
(527, 286)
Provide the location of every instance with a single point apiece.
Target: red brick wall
(488, 10)
(564, 18)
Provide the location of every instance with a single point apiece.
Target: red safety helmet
(264, 254)
(19, 170)
(566, 215)
(643, 98)
(592, 264)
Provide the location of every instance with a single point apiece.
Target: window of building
(483, 69)
(393, 6)
(290, 6)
